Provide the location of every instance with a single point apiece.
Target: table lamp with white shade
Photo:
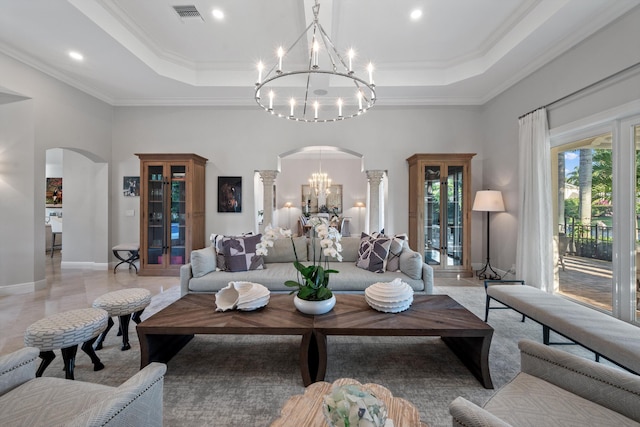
(488, 201)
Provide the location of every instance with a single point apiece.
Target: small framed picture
(229, 194)
(54, 193)
(131, 186)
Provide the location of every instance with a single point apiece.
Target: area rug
(245, 380)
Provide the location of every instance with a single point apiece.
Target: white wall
(17, 215)
(386, 138)
(56, 116)
(606, 52)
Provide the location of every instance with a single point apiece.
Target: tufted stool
(65, 331)
(133, 250)
(126, 304)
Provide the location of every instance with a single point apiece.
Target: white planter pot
(314, 307)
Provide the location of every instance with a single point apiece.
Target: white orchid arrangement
(313, 280)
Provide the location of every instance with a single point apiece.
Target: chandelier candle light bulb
(335, 71)
(271, 94)
(260, 68)
(280, 55)
(292, 102)
(316, 48)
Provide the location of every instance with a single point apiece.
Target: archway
(85, 206)
(349, 184)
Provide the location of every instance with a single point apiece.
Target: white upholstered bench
(608, 337)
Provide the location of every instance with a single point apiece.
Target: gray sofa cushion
(349, 278)
(349, 252)
(282, 250)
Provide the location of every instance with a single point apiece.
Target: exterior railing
(588, 241)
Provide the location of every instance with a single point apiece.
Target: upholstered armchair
(29, 401)
(556, 388)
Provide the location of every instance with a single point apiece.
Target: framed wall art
(53, 193)
(131, 186)
(229, 194)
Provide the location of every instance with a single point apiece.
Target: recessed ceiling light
(76, 55)
(416, 14)
(218, 14)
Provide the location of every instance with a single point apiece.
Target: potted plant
(313, 295)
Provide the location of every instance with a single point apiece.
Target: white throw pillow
(411, 263)
(203, 261)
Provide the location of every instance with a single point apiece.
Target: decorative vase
(314, 307)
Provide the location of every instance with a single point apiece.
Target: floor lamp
(488, 201)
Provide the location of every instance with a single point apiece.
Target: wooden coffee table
(305, 410)
(429, 315)
(165, 333)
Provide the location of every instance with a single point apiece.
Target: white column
(375, 178)
(268, 178)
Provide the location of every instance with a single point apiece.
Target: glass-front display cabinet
(172, 201)
(439, 211)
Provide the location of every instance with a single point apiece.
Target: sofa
(203, 273)
(45, 401)
(556, 388)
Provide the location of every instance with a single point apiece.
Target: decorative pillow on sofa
(216, 242)
(411, 263)
(397, 244)
(240, 253)
(203, 261)
(373, 253)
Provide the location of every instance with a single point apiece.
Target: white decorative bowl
(390, 297)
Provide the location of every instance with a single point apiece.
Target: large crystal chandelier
(325, 90)
(320, 182)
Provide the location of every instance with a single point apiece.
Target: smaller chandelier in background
(304, 94)
(320, 183)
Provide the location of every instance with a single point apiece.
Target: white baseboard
(85, 264)
(18, 289)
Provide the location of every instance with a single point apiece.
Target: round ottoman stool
(65, 331)
(126, 304)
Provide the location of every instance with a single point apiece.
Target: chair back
(56, 224)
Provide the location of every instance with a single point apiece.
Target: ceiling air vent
(188, 13)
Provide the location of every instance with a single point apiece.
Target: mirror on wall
(332, 202)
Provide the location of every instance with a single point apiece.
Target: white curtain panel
(534, 258)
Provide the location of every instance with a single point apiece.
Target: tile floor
(67, 289)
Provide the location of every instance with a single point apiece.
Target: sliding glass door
(584, 227)
(597, 218)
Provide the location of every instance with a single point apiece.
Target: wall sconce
(288, 205)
